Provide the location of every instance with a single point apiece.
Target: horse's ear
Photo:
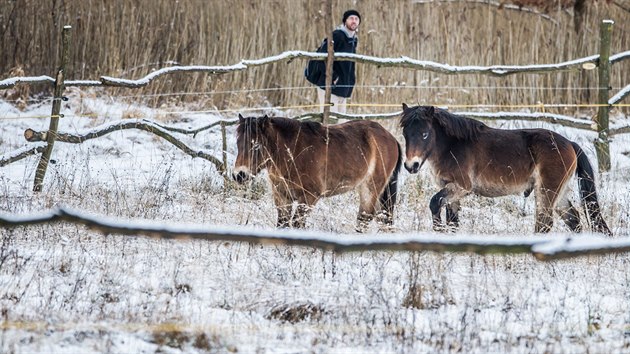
(431, 110)
(405, 107)
(264, 122)
(240, 118)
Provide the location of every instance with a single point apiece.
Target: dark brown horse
(307, 161)
(468, 156)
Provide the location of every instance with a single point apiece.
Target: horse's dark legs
(436, 204)
(385, 217)
(544, 209)
(569, 215)
(284, 206)
(449, 196)
(368, 201)
(363, 221)
(301, 212)
(452, 215)
(284, 216)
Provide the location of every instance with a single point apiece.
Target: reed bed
(131, 38)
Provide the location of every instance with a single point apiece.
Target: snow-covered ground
(64, 288)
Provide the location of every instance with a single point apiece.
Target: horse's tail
(588, 195)
(388, 197)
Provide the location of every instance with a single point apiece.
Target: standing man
(344, 40)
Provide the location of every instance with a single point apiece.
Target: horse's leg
(569, 214)
(368, 199)
(306, 202)
(450, 194)
(301, 212)
(452, 215)
(545, 199)
(283, 206)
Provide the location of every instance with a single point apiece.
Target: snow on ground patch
(66, 288)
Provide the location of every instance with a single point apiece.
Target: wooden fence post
(56, 109)
(601, 144)
(329, 60)
(224, 148)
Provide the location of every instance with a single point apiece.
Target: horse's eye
(256, 146)
(425, 136)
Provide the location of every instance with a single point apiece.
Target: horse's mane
(285, 126)
(289, 127)
(452, 125)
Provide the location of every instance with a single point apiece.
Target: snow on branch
(619, 57)
(111, 81)
(21, 153)
(12, 81)
(533, 117)
(401, 62)
(195, 131)
(546, 247)
(619, 96)
(34, 136)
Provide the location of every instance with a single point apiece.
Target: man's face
(352, 22)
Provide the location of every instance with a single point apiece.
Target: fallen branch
(33, 136)
(619, 96)
(21, 154)
(548, 247)
(195, 131)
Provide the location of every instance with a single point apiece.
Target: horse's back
(361, 134)
(508, 161)
(358, 152)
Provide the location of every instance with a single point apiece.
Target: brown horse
(307, 161)
(468, 156)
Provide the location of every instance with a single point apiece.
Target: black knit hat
(350, 13)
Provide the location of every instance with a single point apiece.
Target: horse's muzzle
(414, 168)
(241, 177)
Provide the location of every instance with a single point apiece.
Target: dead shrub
(18, 95)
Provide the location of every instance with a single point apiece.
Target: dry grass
(130, 39)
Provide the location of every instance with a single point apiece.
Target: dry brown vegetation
(129, 39)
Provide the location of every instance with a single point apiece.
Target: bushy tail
(388, 197)
(588, 194)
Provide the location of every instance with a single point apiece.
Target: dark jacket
(343, 71)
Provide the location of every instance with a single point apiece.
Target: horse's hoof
(441, 228)
(451, 228)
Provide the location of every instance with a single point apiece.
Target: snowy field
(64, 288)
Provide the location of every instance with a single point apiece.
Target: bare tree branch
(21, 154)
(195, 131)
(33, 136)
